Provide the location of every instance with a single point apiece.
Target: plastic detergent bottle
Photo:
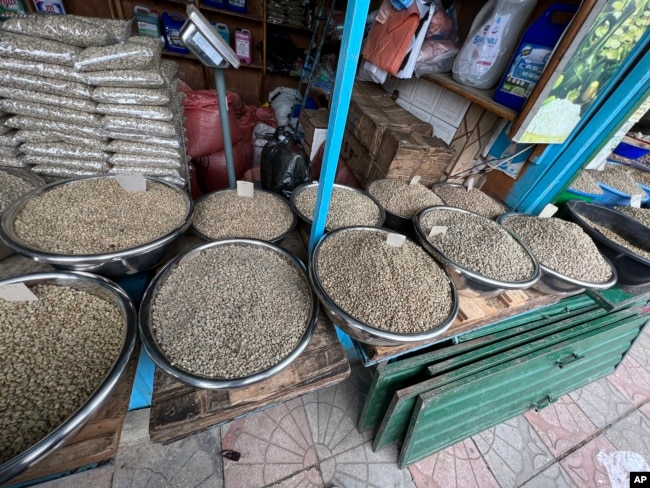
(491, 41)
(238, 6)
(147, 21)
(172, 24)
(223, 30)
(51, 6)
(243, 43)
(532, 54)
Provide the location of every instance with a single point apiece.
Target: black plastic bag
(284, 164)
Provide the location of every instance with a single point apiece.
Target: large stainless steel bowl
(632, 269)
(469, 282)
(306, 220)
(36, 180)
(359, 330)
(553, 282)
(276, 239)
(151, 346)
(127, 261)
(109, 291)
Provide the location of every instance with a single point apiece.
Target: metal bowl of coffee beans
(623, 240)
(348, 207)
(94, 224)
(570, 261)
(224, 214)
(14, 183)
(380, 287)
(474, 200)
(483, 258)
(66, 339)
(228, 313)
(401, 200)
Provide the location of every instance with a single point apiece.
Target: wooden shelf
(179, 55)
(230, 13)
(284, 25)
(483, 98)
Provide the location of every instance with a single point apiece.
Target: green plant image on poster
(616, 30)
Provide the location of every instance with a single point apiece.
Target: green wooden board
(444, 416)
(398, 414)
(388, 378)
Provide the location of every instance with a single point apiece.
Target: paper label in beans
(134, 182)
(17, 292)
(437, 229)
(415, 180)
(470, 183)
(635, 201)
(395, 240)
(245, 189)
(548, 211)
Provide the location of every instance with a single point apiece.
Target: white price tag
(245, 189)
(415, 180)
(635, 201)
(17, 292)
(395, 240)
(437, 229)
(132, 182)
(548, 211)
(470, 182)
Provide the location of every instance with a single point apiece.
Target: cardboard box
(312, 120)
(372, 112)
(356, 157)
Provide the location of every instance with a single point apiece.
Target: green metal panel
(618, 297)
(388, 378)
(398, 414)
(446, 415)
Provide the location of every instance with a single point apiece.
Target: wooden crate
(96, 442)
(178, 410)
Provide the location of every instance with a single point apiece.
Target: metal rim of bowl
(298, 190)
(72, 424)
(156, 354)
(383, 335)
(560, 276)
(458, 185)
(462, 270)
(200, 200)
(576, 214)
(8, 235)
(25, 175)
(395, 215)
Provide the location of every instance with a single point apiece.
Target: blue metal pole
(355, 22)
(220, 82)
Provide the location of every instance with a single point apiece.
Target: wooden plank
(178, 411)
(468, 320)
(391, 377)
(98, 439)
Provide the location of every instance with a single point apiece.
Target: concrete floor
(312, 441)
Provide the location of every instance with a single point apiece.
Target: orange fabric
(390, 36)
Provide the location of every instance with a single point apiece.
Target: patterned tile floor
(588, 438)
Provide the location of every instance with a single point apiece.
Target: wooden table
(178, 410)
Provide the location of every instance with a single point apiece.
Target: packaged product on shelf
(131, 96)
(63, 150)
(40, 69)
(43, 84)
(35, 49)
(128, 55)
(153, 112)
(147, 21)
(69, 30)
(31, 123)
(143, 149)
(172, 24)
(48, 99)
(150, 78)
(31, 109)
(13, 6)
(85, 164)
(50, 6)
(119, 159)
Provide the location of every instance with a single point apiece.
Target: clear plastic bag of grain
(174, 180)
(169, 68)
(36, 68)
(63, 150)
(9, 138)
(78, 104)
(402, 198)
(143, 149)
(68, 162)
(3, 128)
(131, 96)
(121, 29)
(42, 84)
(46, 136)
(155, 128)
(129, 55)
(119, 159)
(71, 30)
(50, 112)
(63, 172)
(121, 135)
(156, 171)
(473, 200)
(71, 130)
(36, 49)
(131, 78)
(8, 151)
(12, 162)
(152, 112)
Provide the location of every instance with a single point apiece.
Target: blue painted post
(220, 82)
(355, 21)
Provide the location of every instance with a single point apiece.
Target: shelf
(482, 98)
(231, 14)
(284, 25)
(179, 55)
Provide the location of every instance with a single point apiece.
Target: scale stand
(214, 52)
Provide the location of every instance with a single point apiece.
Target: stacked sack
(79, 96)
